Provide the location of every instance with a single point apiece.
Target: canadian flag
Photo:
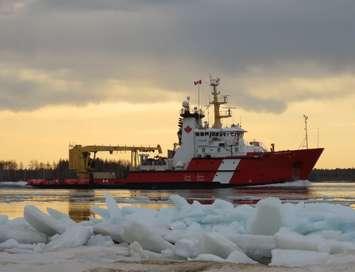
(198, 82)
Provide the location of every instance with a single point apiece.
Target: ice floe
(283, 234)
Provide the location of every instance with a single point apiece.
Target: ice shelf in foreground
(286, 234)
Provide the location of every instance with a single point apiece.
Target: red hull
(251, 169)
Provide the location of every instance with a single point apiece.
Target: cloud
(259, 49)
(8, 7)
(26, 89)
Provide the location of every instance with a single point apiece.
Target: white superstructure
(198, 140)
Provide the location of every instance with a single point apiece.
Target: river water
(77, 203)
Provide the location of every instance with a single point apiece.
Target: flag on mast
(198, 82)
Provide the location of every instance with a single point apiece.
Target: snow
(291, 235)
(297, 258)
(237, 256)
(100, 240)
(208, 258)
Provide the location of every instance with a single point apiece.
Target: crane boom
(79, 156)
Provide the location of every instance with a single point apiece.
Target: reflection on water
(77, 203)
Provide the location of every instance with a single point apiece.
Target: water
(77, 203)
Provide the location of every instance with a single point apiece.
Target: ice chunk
(216, 244)
(113, 210)
(187, 248)
(267, 218)
(256, 246)
(174, 236)
(42, 222)
(12, 246)
(286, 239)
(74, 236)
(22, 233)
(101, 212)
(137, 251)
(145, 236)
(209, 243)
(178, 225)
(3, 219)
(237, 256)
(11, 243)
(222, 204)
(179, 202)
(113, 230)
(100, 240)
(144, 216)
(297, 258)
(336, 247)
(57, 215)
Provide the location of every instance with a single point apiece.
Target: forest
(13, 171)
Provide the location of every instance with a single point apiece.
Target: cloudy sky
(114, 71)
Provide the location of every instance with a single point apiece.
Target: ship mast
(214, 82)
(306, 129)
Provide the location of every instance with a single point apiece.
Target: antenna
(208, 112)
(306, 128)
(317, 137)
(198, 83)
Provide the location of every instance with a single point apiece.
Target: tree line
(337, 174)
(13, 171)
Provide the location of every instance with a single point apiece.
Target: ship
(204, 156)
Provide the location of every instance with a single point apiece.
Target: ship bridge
(218, 142)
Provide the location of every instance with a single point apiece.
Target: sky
(116, 71)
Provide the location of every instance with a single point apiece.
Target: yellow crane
(79, 156)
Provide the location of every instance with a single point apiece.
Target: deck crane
(79, 156)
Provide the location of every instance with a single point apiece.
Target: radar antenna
(216, 102)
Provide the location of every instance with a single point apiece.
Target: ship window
(197, 133)
(221, 144)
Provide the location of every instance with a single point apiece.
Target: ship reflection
(79, 204)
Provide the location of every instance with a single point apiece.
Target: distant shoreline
(11, 171)
(333, 175)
